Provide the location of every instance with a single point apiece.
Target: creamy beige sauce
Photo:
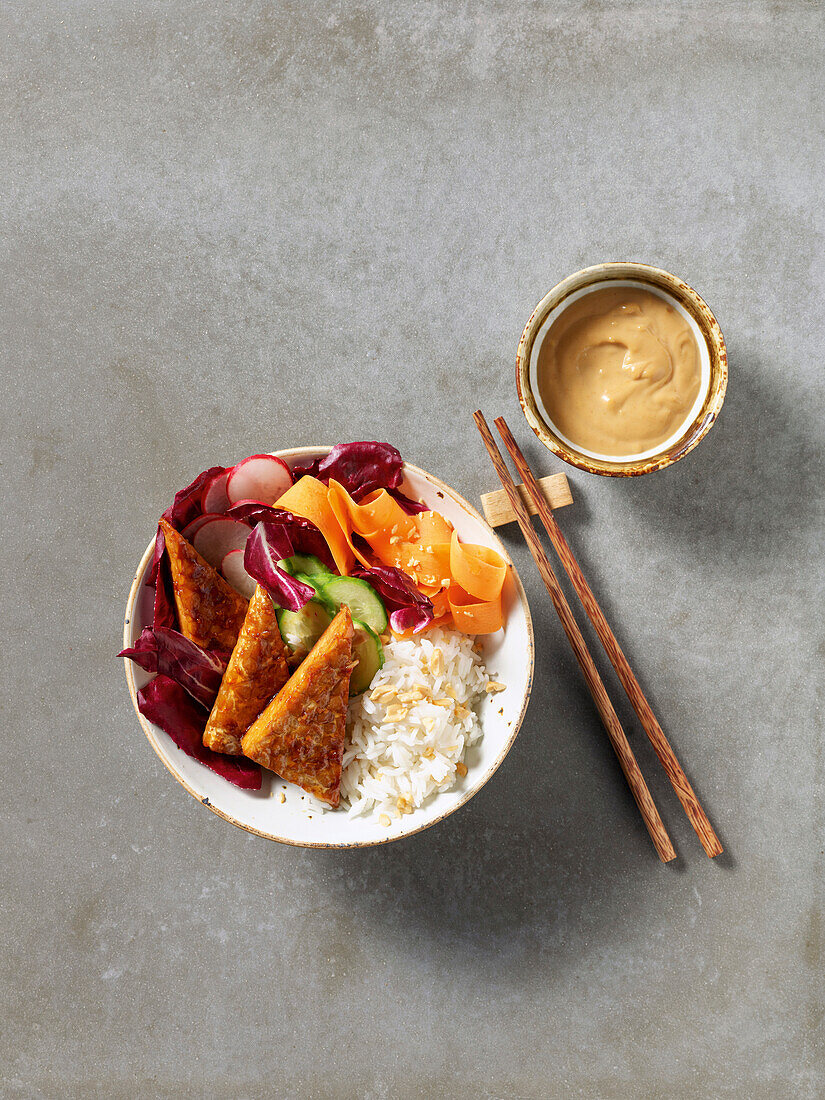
(618, 371)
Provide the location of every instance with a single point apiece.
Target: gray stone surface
(238, 226)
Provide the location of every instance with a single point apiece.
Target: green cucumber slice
(367, 649)
(305, 563)
(300, 630)
(316, 581)
(360, 597)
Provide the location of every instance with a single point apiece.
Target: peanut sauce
(618, 371)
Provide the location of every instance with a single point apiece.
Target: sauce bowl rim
(692, 302)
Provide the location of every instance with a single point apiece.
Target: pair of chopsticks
(627, 761)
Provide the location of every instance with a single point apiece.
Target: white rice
(408, 733)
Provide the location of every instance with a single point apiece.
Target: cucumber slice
(305, 563)
(360, 597)
(316, 581)
(367, 648)
(300, 630)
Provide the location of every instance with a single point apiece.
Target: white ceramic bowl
(508, 655)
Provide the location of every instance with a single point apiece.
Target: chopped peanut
(413, 696)
(494, 686)
(384, 819)
(437, 662)
(383, 691)
(396, 713)
(461, 769)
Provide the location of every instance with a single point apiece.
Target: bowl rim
(307, 452)
(695, 305)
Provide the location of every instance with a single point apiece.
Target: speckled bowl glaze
(509, 654)
(706, 328)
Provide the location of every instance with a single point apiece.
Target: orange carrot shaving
(308, 498)
(472, 616)
(477, 569)
(463, 580)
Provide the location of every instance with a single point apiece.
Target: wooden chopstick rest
(498, 510)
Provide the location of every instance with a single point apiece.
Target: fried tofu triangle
(257, 671)
(211, 612)
(300, 735)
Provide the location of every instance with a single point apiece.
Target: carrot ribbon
(463, 580)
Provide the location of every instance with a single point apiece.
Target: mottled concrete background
(230, 227)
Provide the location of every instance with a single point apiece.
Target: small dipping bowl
(712, 355)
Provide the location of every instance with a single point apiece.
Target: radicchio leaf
(168, 652)
(411, 507)
(359, 467)
(188, 504)
(304, 537)
(165, 612)
(261, 556)
(408, 608)
(157, 555)
(166, 704)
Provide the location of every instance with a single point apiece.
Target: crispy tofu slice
(211, 612)
(257, 671)
(300, 735)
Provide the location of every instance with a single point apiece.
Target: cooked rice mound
(406, 735)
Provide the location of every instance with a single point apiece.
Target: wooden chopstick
(627, 761)
(675, 773)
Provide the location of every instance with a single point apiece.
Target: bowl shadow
(530, 864)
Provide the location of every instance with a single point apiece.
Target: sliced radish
(257, 503)
(216, 538)
(215, 499)
(259, 477)
(233, 569)
(192, 528)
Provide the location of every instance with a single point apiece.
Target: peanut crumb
(413, 696)
(461, 769)
(281, 796)
(437, 662)
(404, 805)
(494, 686)
(384, 819)
(461, 712)
(396, 713)
(428, 754)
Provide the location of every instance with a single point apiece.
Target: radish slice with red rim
(191, 529)
(216, 538)
(259, 477)
(233, 569)
(215, 498)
